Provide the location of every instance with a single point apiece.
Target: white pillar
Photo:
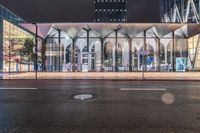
(155, 59)
(165, 55)
(89, 61)
(97, 61)
(98, 56)
(133, 57)
(64, 55)
(80, 60)
(50, 56)
(113, 59)
(138, 61)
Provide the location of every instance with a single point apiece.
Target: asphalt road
(48, 106)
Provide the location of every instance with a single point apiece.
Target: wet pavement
(117, 106)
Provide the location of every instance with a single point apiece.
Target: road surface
(117, 106)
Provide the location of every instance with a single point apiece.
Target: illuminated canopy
(75, 30)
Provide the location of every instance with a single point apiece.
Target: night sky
(77, 10)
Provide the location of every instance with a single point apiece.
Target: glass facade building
(16, 44)
(7, 15)
(184, 11)
(110, 10)
(97, 47)
(115, 47)
(15, 50)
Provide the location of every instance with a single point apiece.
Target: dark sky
(77, 10)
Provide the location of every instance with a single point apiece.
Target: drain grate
(82, 96)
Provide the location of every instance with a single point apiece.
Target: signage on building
(181, 64)
(150, 60)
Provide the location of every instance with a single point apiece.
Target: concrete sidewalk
(107, 75)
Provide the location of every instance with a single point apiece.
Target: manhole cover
(83, 96)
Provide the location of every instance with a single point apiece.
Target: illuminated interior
(13, 42)
(118, 47)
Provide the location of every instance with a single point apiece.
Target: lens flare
(168, 98)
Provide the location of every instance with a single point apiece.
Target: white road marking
(143, 89)
(8, 88)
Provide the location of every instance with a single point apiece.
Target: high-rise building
(183, 11)
(110, 10)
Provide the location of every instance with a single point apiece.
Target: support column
(51, 57)
(116, 46)
(64, 55)
(165, 51)
(196, 53)
(89, 61)
(88, 50)
(173, 52)
(102, 54)
(130, 55)
(59, 40)
(158, 56)
(133, 58)
(138, 61)
(88, 39)
(44, 57)
(73, 56)
(144, 49)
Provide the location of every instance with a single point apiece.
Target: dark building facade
(110, 10)
(181, 11)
